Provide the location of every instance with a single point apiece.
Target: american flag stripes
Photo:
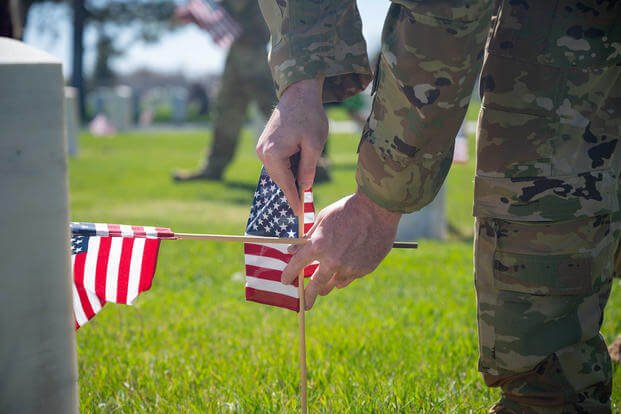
(211, 17)
(111, 263)
(270, 215)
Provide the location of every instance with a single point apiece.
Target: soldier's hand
(349, 239)
(298, 124)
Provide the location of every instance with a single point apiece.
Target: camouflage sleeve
(311, 39)
(431, 54)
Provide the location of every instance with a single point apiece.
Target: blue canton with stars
(270, 214)
(79, 236)
(79, 244)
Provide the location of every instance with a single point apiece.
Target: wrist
(307, 89)
(377, 211)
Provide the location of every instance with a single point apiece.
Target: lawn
(400, 340)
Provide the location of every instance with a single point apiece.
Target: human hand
(298, 124)
(349, 239)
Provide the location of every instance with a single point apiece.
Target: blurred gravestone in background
(72, 123)
(37, 340)
(428, 223)
(179, 103)
(117, 106)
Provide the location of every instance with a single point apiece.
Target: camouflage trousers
(246, 78)
(541, 291)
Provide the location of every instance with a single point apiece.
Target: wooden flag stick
(303, 387)
(276, 240)
(245, 239)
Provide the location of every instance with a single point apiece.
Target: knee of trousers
(541, 291)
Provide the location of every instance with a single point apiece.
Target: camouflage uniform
(547, 173)
(246, 77)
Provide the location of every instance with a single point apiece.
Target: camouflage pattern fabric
(246, 77)
(541, 291)
(422, 91)
(547, 178)
(547, 187)
(317, 38)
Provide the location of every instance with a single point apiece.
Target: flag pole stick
(260, 239)
(231, 238)
(303, 386)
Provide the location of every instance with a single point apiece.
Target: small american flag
(211, 17)
(111, 263)
(270, 215)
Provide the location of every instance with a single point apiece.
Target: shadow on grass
(458, 235)
(343, 166)
(234, 192)
(241, 185)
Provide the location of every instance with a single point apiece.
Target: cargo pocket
(564, 274)
(548, 287)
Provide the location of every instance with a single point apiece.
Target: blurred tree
(103, 74)
(14, 14)
(117, 24)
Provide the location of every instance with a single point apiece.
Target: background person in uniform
(547, 172)
(246, 78)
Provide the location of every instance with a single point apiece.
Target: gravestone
(37, 336)
(72, 124)
(119, 108)
(179, 104)
(428, 223)
(116, 104)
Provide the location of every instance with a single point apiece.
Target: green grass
(400, 340)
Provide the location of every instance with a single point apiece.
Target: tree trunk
(6, 25)
(77, 70)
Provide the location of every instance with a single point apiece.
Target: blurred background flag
(111, 263)
(211, 17)
(270, 215)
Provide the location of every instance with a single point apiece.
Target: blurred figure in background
(246, 75)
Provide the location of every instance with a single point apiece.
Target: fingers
(319, 279)
(307, 166)
(296, 264)
(328, 287)
(338, 280)
(280, 173)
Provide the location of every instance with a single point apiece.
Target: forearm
(317, 39)
(426, 75)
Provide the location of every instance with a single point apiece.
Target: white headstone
(116, 104)
(119, 108)
(37, 337)
(179, 103)
(428, 223)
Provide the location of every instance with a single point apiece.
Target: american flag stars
(269, 214)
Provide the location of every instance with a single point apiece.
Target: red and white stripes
(265, 263)
(117, 264)
(125, 230)
(213, 18)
